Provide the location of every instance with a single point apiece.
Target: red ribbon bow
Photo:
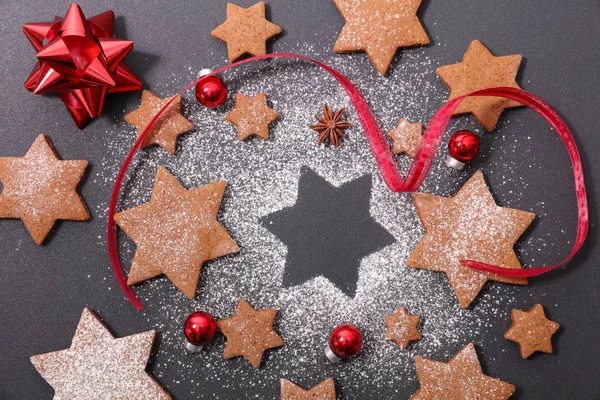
(385, 161)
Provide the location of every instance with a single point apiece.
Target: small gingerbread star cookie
(532, 330)
(406, 137)
(99, 366)
(169, 125)
(252, 116)
(323, 391)
(250, 333)
(379, 28)
(39, 189)
(176, 232)
(468, 226)
(246, 31)
(478, 70)
(460, 378)
(402, 328)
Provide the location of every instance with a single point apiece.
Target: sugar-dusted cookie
(325, 390)
(460, 378)
(478, 70)
(252, 116)
(39, 188)
(246, 31)
(379, 28)
(406, 137)
(402, 328)
(250, 333)
(176, 232)
(169, 125)
(99, 366)
(532, 330)
(468, 226)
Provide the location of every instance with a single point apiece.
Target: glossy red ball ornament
(199, 329)
(463, 147)
(210, 91)
(345, 341)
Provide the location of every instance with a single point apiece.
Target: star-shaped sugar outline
(252, 116)
(463, 377)
(98, 366)
(168, 127)
(480, 107)
(361, 34)
(288, 197)
(62, 202)
(246, 18)
(532, 330)
(324, 390)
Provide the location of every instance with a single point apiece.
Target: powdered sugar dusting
(262, 178)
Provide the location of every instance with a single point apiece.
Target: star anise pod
(330, 127)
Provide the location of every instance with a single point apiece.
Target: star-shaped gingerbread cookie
(246, 31)
(478, 70)
(402, 328)
(468, 226)
(532, 330)
(252, 116)
(169, 125)
(323, 391)
(99, 366)
(406, 137)
(176, 232)
(39, 189)
(379, 28)
(461, 378)
(250, 333)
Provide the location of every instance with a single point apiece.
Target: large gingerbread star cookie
(461, 378)
(176, 232)
(478, 70)
(468, 226)
(39, 188)
(99, 366)
(379, 28)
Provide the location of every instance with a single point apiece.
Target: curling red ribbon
(386, 164)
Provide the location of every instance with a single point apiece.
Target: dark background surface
(43, 289)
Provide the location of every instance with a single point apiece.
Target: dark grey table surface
(43, 289)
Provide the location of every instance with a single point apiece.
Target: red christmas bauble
(211, 91)
(463, 146)
(199, 328)
(345, 341)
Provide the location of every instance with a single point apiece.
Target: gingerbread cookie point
(379, 28)
(402, 328)
(176, 232)
(480, 69)
(167, 128)
(246, 31)
(532, 330)
(460, 378)
(40, 189)
(325, 390)
(250, 333)
(99, 366)
(252, 116)
(468, 226)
